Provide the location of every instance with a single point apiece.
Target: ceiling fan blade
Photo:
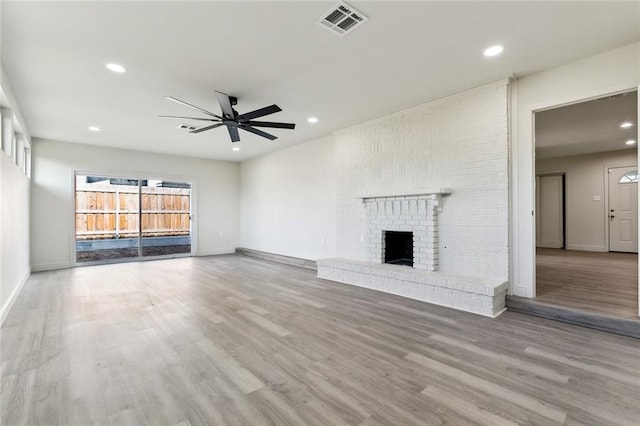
(259, 132)
(204, 111)
(225, 104)
(270, 124)
(204, 128)
(188, 118)
(271, 109)
(233, 133)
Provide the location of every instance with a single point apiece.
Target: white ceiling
(587, 127)
(273, 52)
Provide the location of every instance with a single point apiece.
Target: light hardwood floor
(606, 283)
(235, 340)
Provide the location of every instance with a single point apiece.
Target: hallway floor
(605, 283)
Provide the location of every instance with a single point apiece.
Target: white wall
(310, 191)
(14, 231)
(459, 142)
(288, 201)
(14, 203)
(216, 203)
(610, 72)
(586, 177)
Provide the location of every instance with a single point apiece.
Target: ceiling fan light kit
(231, 119)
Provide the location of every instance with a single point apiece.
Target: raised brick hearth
(480, 296)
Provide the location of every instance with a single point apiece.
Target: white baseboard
(215, 252)
(50, 266)
(12, 299)
(583, 247)
(522, 291)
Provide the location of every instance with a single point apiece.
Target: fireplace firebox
(398, 248)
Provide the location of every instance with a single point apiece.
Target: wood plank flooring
(232, 340)
(605, 283)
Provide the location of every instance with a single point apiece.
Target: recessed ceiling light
(312, 120)
(630, 142)
(94, 128)
(235, 148)
(116, 68)
(626, 124)
(493, 50)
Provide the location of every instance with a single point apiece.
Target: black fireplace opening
(398, 248)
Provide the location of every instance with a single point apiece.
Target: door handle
(611, 217)
(612, 210)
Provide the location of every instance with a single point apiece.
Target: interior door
(550, 211)
(623, 209)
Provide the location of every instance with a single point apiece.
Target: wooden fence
(113, 212)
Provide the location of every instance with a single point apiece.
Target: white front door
(623, 209)
(549, 212)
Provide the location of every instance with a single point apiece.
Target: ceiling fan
(231, 118)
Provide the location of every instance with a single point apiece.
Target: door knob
(612, 210)
(611, 217)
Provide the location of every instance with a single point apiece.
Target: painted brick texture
(461, 143)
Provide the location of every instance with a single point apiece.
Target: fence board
(113, 212)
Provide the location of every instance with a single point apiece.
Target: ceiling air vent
(342, 19)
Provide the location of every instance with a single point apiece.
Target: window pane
(20, 151)
(106, 218)
(166, 225)
(7, 130)
(27, 162)
(630, 177)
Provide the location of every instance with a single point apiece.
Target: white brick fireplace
(415, 213)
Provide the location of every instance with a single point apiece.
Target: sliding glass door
(123, 219)
(166, 218)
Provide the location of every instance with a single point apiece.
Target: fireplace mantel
(414, 193)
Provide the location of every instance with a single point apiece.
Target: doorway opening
(120, 219)
(586, 213)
